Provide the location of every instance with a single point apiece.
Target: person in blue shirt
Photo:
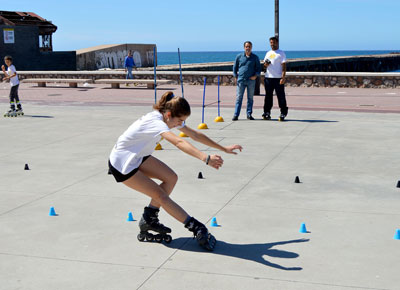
(129, 64)
(245, 70)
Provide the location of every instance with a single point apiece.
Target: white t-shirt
(277, 57)
(14, 80)
(138, 141)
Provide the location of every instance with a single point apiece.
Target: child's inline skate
(150, 222)
(19, 112)
(10, 113)
(200, 232)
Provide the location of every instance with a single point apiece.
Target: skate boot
(266, 116)
(200, 232)
(282, 118)
(150, 222)
(19, 112)
(10, 113)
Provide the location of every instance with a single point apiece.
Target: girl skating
(132, 164)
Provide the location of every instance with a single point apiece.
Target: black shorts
(119, 177)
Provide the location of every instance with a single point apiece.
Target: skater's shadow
(39, 116)
(251, 252)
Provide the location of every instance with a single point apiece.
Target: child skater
(11, 74)
(132, 164)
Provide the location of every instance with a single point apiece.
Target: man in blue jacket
(129, 64)
(245, 69)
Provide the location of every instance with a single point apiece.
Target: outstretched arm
(212, 160)
(202, 138)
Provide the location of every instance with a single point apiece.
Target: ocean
(165, 58)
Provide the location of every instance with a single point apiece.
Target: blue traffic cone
(130, 217)
(397, 235)
(214, 222)
(303, 229)
(52, 212)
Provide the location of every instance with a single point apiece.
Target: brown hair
(8, 57)
(177, 106)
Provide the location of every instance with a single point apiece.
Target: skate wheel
(167, 239)
(158, 238)
(141, 237)
(149, 238)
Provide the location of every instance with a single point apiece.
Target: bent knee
(173, 178)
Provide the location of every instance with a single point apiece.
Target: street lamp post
(277, 19)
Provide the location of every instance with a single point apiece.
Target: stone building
(27, 37)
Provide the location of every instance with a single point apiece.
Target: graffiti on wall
(150, 56)
(115, 59)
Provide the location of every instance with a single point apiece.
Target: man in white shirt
(275, 65)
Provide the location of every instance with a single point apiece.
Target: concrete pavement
(346, 161)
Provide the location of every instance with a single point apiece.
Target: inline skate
(10, 113)
(19, 112)
(150, 222)
(203, 237)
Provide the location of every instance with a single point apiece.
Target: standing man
(275, 65)
(129, 64)
(245, 69)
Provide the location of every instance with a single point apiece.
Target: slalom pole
(203, 125)
(155, 75)
(181, 134)
(180, 70)
(158, 146)
(218, 118)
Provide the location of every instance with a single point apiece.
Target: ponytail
(177, 106)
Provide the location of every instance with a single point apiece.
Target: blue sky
(220, 25)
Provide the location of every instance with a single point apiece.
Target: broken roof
(15, 18)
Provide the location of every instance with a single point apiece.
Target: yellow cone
(202, 126)
(219, 119)
(158, 147)
(181, 134)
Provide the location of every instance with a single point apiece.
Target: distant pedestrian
(245, 69)
(275, 65)
(11, 75)
(129, 65)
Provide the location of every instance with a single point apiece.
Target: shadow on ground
(39, 116)
(251, 252)
(295, 120)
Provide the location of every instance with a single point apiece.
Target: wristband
(208, 159)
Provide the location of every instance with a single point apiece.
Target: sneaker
(235, 118)
(250, 117)
(282, 117)
(266, 116)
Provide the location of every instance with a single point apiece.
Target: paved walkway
(337, 99)
(347, 163)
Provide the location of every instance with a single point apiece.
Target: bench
(116, 82)
(73, 83)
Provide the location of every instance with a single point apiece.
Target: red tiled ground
(335, 99)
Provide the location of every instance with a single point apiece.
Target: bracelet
(208, 159)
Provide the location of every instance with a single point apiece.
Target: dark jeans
(272, 84)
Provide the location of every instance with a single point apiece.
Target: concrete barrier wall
(113, 56)
(294, 79)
